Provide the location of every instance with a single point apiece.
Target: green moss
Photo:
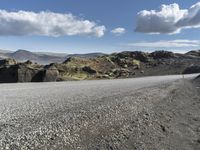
(73, 65)
(75, 76)
(80, 76)
(109, 60)
(136, 62)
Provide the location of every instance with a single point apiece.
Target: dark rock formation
(51, 73)
(89, 70)
(162, 54)
(141, 56)
(17, 73)
(8, 61)
(8, 74)
(25, 74)
(48, 74)
(192, 69)
(68, 60)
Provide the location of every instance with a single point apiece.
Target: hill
(125, 64)
(194, 53)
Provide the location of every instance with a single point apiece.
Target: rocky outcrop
(17, 73)
(8, 61)
(27, 72)
(8, 74)
(192, 69)
(162, 54)
(141, 56)
(194, 53)
(50, 73)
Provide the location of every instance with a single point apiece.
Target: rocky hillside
(194, 53)
(117, 65)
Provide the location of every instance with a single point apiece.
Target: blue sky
(109, 14)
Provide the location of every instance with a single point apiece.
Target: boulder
(51, 73)
(25, 74)
(89, 70)
(16, 73)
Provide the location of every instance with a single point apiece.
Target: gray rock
(16, 73)
(51, 73)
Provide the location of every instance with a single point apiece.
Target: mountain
(51, 54)
(4, 51)
(24, 55)
(42, 57)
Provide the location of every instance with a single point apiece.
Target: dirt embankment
(164, 117)
(172, 121)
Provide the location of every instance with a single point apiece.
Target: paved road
(76, 91)
(33, 113)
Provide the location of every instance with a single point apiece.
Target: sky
(86, 26)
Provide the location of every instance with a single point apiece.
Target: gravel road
(102, 114)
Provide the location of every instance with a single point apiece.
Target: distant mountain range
(42, 57)
(49, 57)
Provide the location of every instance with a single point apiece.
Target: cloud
(166, 44)
(170, 19)
(46, 24)
(118, 31)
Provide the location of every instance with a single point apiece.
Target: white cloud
(166, 44)
(118, 31)
(170, 19)
(46, 24)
